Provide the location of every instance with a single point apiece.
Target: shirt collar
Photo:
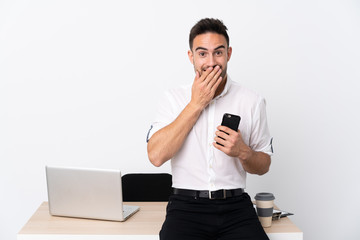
(226, 88)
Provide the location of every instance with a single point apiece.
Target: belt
(219, 194)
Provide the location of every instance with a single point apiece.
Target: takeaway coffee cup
(264, 208)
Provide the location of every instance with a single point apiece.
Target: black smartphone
(231, 121)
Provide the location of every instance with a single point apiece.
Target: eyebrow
(202, 48)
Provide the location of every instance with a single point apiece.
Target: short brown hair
(208, 25)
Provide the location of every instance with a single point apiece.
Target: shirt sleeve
(260, 138)
(164, 115)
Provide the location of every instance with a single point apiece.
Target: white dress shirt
(200, 166)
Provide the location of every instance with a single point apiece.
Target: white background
(80, 80)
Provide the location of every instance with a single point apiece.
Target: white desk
(145, 224)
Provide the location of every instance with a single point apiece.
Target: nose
(211, 62)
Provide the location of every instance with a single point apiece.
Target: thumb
(197, 75)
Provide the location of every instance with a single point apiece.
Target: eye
(218, 53)
(202, 54)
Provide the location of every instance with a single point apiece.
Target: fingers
(205, 74)
(225, 129)
(230, 140)
(215, 84)
(221, 148)
(205, 85)
(213, 75)
(222, 134)
(212, 78)
(210, 74)
(220, 141)
(226, 136)
(222, 138)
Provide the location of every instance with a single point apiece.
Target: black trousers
(188, 218)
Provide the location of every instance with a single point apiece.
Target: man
(208, 200)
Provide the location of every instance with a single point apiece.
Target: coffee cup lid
(264, 196)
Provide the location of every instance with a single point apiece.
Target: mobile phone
(231, 121)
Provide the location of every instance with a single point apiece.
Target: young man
(208, 200)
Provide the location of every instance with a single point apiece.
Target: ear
(191, 55)
(229, 52)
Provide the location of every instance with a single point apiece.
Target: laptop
(87, 193)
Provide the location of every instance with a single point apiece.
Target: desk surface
(145, 224)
